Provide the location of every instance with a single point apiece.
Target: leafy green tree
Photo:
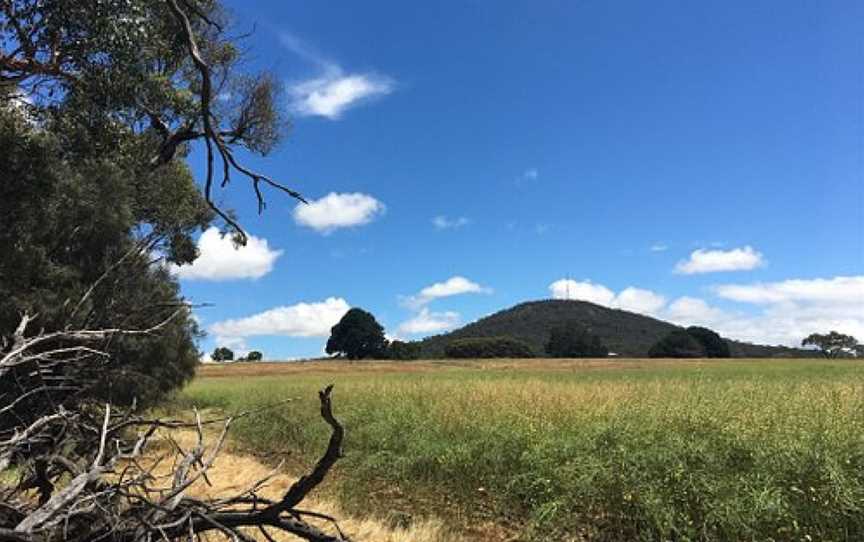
(712, 343)
(488, 347)
(254, 355)
(832, 344)
(222, 353)
(357, 336)
(99, 102)
(572, 341)
(401, 350)
(677, 344)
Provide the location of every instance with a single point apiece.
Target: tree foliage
(712, 344)
(573, 341)
(254, 355)
(357, 336)
(401, 350)
(489, 347)
(222, 353)
(832, 344)
(677, 344)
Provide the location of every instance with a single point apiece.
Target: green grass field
(596, 450)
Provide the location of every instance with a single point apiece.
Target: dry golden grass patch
(234, 472)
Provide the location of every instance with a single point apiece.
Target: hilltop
(624, 333)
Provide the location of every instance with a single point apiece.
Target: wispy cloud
(658, 247)
(531, 174)
(333, 91)
(442, 222)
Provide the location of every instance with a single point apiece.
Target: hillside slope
(625, 333)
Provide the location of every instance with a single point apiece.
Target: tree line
(358, 335)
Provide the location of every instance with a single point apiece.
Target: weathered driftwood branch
(95, 480)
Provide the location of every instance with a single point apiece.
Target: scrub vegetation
(578, 449)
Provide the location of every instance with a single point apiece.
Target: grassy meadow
(574, 449)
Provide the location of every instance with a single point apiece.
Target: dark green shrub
(223, 353)
(677, 344)
(403, 350)
(712, 343)
(254, 355)
(573, 341)
(488, 347)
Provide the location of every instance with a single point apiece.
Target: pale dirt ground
(233, 472)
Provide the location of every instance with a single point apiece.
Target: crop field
(572, 449)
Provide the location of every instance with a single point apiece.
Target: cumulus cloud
(840, 290)
(332, 92)
(218, 259)
(712, 261)
(456, 285)
(441, 222)
(426, 322)
(629, 299)
(335, 211)
(300, 320)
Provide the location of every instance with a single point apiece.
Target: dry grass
(234, 472)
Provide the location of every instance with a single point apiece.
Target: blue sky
(699, 162)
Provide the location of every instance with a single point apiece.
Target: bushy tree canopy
(254, 355)
(677, 344)
(222, 353)
(357, 336)
(832, 344)
(401, 350)
(712, 343)
(488, 347)
(573, 341)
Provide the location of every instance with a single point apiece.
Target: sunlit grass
(748, 450)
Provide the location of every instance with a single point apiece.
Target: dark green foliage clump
(400, 350)
(713, 344)
(254, 355)
(677, 344)
(489, 347)
(357, 336)
(223, 353)
(572, 341)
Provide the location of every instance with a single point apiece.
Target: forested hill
(624, 333)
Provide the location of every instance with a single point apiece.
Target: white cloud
(333, 91)
(711, 261)
(583, 291)
(639, 300)
(426, 322)
(840, 290)
(629, 299)
(300, 320)
(658, 247)
(335, 211)
(531, 173)
(441, 222)
(453, 286)
(688, 311)
(331, 94)
(218, 259)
